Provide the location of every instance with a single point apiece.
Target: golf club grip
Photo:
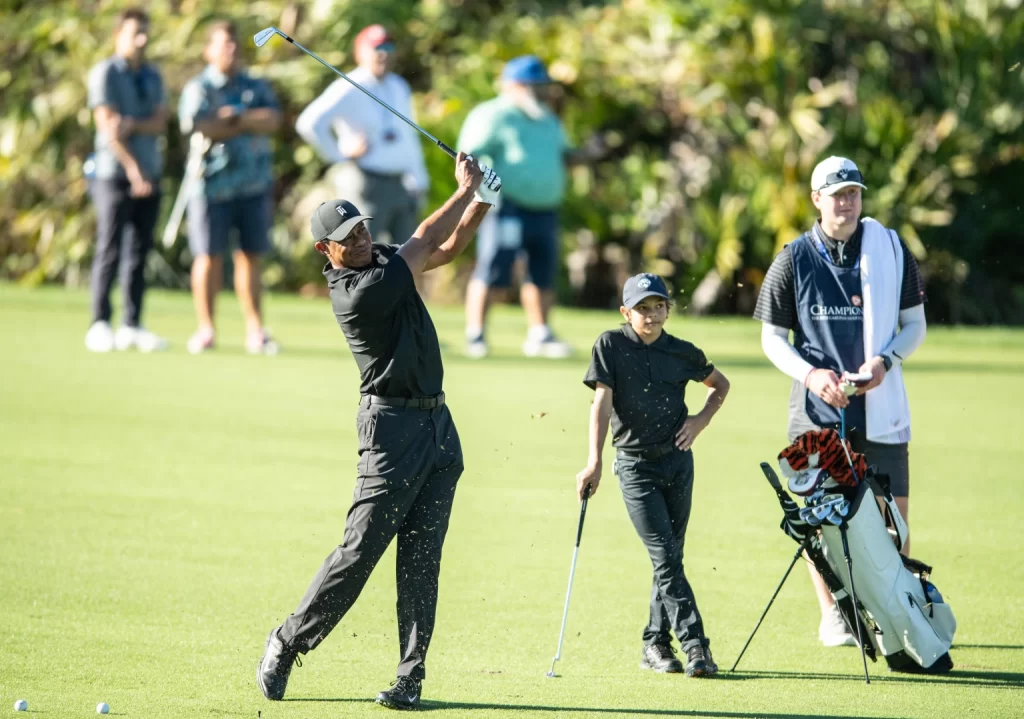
(583, 513)
(451, 153)
(769, 474)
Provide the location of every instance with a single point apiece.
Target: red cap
(373, 36)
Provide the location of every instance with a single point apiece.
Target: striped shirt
(776, 302)
(776, 305)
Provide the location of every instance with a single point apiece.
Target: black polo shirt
(387, 326)
(648, 384)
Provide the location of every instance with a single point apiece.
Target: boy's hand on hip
(592, 476)
(692, 427)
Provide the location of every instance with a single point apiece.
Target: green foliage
(713, 113)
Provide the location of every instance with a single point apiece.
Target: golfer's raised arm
(463, 235)
(437, 228)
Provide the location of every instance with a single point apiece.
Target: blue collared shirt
(242, 165)
(132, 93)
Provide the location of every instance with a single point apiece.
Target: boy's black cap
(640, 287)
(334, 220)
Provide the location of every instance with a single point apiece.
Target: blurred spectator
(381, 159)
(126, 95)
(236, 113)
(519, 136)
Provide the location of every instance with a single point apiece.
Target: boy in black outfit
(639, 374)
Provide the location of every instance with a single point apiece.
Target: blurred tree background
(713, 113)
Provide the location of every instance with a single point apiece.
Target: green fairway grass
(159, 514)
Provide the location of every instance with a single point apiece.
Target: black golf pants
(658, 494)
(410, 461)
(124, 235)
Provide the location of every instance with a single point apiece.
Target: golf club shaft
(451, 153)
(572, 573)
(842, 437)
(853, 596)
(799, 551)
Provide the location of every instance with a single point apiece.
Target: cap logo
(341, 211)
(842, 174)
(644, 283)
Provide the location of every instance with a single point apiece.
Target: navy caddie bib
(830, 330)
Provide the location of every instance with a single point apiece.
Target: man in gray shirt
(126, 96)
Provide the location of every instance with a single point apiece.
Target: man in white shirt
(382, 170)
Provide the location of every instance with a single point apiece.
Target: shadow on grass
(1008, 647)
(956, 677)
(437, 705)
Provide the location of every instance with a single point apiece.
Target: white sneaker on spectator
(833, 631)
(99, 338)
(541, 342)
(261, 343)
(201, 341)
(139, 338)
(476, 347)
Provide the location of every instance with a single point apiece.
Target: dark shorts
(512, 231)
(210, 224)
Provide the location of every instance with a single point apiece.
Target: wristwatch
(886, 361)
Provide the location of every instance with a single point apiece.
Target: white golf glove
(489, 188)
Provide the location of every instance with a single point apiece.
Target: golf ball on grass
(21, 706)
(102, 708)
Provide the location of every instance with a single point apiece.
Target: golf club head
(807, 481)
(262, 36)
(821, 512)
(834, 517)
(551, 675)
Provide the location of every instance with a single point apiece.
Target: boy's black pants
(658, 493)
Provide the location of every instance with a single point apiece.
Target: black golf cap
(642, 286)
(334, 220)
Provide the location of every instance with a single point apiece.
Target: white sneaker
(833, 631)
(476, 347)
(138, 338)
(546, 346)
(99, 338)
(201, 341)
(146, 341)
(261, 343)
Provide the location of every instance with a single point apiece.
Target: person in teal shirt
(522, 140)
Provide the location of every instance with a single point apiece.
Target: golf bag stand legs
(796, 557)
(853, 596)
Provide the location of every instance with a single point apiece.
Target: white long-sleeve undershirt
(777, 348)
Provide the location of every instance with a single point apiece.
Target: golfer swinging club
(410, 458)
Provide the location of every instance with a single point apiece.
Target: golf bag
(902, 614)
(911, 625)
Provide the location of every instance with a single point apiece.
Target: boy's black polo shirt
(648, 384)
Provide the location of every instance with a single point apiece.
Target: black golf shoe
(404, 694)
(660, 658)
(275, 667)
(699, 662)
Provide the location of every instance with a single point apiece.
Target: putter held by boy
(639, 373)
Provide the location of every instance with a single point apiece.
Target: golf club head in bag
(792, 523)
(807, 482)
